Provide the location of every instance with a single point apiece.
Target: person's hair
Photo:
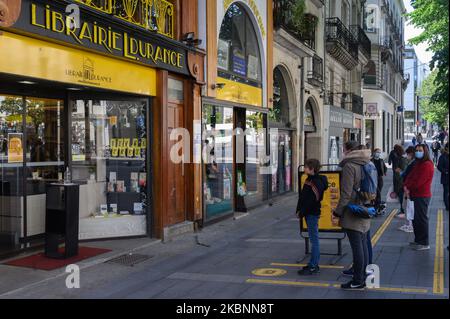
(352, 146)
(377, 150)
(313, 164)
(426, 152)
(410, 150)
(445, 150)
(398, 149)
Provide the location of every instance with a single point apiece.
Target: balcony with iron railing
(315, 76)
(154, 15)
(363, 40)
(284, 19)
(341, 44)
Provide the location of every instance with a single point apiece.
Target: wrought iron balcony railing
(357, 104)
(283, 19)
(315, 76)
(153, 15)
(341, 44)
(363, 40)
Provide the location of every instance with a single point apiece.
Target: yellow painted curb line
(326, 285)
(303, 265)
(438, 280)
(383, 227)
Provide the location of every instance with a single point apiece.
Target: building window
(238, 49)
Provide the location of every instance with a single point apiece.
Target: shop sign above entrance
(101, 34)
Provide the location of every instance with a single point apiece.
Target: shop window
(280, 111)
(238, 48)
(109, 157)
(218, 160)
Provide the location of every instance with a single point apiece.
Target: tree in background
(433, 111)
(432, 17)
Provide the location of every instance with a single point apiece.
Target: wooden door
(176, 206)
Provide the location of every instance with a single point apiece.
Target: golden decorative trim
(153, 15)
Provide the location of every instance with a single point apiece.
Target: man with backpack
(358, 189)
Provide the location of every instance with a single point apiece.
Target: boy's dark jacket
(311, 195)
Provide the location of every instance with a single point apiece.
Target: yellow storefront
(81, 99)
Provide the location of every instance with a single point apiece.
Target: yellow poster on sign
(330, 200)
(15, 148)
(240, 93)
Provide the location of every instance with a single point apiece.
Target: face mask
(419, 155)
(377, 155)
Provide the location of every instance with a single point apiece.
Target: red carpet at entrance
(39, 261)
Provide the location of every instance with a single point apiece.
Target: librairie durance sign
(49, 20)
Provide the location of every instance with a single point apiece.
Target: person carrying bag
(356, 226)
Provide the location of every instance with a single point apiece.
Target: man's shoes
(413, 244)
(353, 286)
(308, 271)
(421, 247)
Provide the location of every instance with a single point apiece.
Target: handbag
(409, 210)
(391, 196)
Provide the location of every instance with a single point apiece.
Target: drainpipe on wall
(301, 115)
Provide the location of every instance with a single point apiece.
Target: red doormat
(39, 261)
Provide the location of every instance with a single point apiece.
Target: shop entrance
(32, 154)
(281, 181)
(176, 206)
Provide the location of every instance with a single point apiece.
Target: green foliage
(433, 111)
(432, 17)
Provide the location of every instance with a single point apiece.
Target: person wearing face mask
(382, 171)
(443, 168)
(417, 186)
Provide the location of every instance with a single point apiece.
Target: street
(253, 257)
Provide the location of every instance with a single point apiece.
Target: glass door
(44, 151)
(11, 171)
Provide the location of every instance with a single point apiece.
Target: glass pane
(255, 150)
(218, 167)
(11, 172)
(109, 140)
(175, 90)
(44, 156)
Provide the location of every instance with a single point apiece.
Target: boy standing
(309, 207)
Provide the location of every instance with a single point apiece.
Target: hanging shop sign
(100, 34)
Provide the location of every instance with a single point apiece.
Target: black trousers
(360, 251)
(420, 222)
(445, 195)
(379, 189)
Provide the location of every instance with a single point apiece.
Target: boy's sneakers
(421, 247)
(353, 286)
(308, 270)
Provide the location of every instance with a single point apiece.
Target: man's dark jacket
(311, 195)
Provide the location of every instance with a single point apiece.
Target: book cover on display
(120, 186)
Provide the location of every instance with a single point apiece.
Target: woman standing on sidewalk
(418, 188)
(443, 168)
(410, 156)
(382, 171)
(355, 227)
